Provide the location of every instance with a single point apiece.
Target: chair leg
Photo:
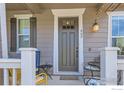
(46, 80)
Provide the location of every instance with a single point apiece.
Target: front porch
(74, 38)
(28, 70)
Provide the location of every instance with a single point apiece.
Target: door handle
(77, 49)
(77, 52)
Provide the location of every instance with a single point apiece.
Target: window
(118, 33)
(23, 31)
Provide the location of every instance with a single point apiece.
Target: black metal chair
(91, 75)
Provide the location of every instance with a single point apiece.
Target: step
(64, 82)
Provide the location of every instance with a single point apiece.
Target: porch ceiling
(38, 7)
(16, 6)
(28, 6)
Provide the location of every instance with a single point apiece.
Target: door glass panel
(24, 26)
(68, 24)
(64, 24)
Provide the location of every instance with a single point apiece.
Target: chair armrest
(41, 74)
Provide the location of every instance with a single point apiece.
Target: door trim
(68, 13)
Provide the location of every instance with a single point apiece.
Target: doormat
(69, 78)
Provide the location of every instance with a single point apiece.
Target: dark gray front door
(68, 44)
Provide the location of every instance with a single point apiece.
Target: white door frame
(68, 13)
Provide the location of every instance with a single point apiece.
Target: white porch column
(4, 37)
(28, 58)
(3, 30)
(108, 64)
(122, 77)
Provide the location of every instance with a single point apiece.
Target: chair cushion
(88, 67)
(94, 82)
(39, 78)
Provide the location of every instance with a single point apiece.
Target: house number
(81, 33)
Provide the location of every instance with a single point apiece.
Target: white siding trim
(68, 13)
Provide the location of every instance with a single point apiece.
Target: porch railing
(26, 65)
(110, 65)
(7, 64)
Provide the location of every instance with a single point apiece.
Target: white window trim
(110, 14)
(21, 16)
(68, 13)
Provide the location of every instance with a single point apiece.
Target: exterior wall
(93, 41)
(45, 29)
(44, 34)
(10, 14)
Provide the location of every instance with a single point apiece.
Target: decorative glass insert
(72, 24)
(68, 24)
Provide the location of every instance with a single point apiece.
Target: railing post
(122, 77)
(28, 56)
(3, 33)
(14, 76)
(6, 76)
(108, 64)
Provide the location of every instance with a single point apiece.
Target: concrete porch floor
(57, 81)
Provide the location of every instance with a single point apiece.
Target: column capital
(28, 49)
(110, 49)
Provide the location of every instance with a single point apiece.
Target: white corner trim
(68, 13)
